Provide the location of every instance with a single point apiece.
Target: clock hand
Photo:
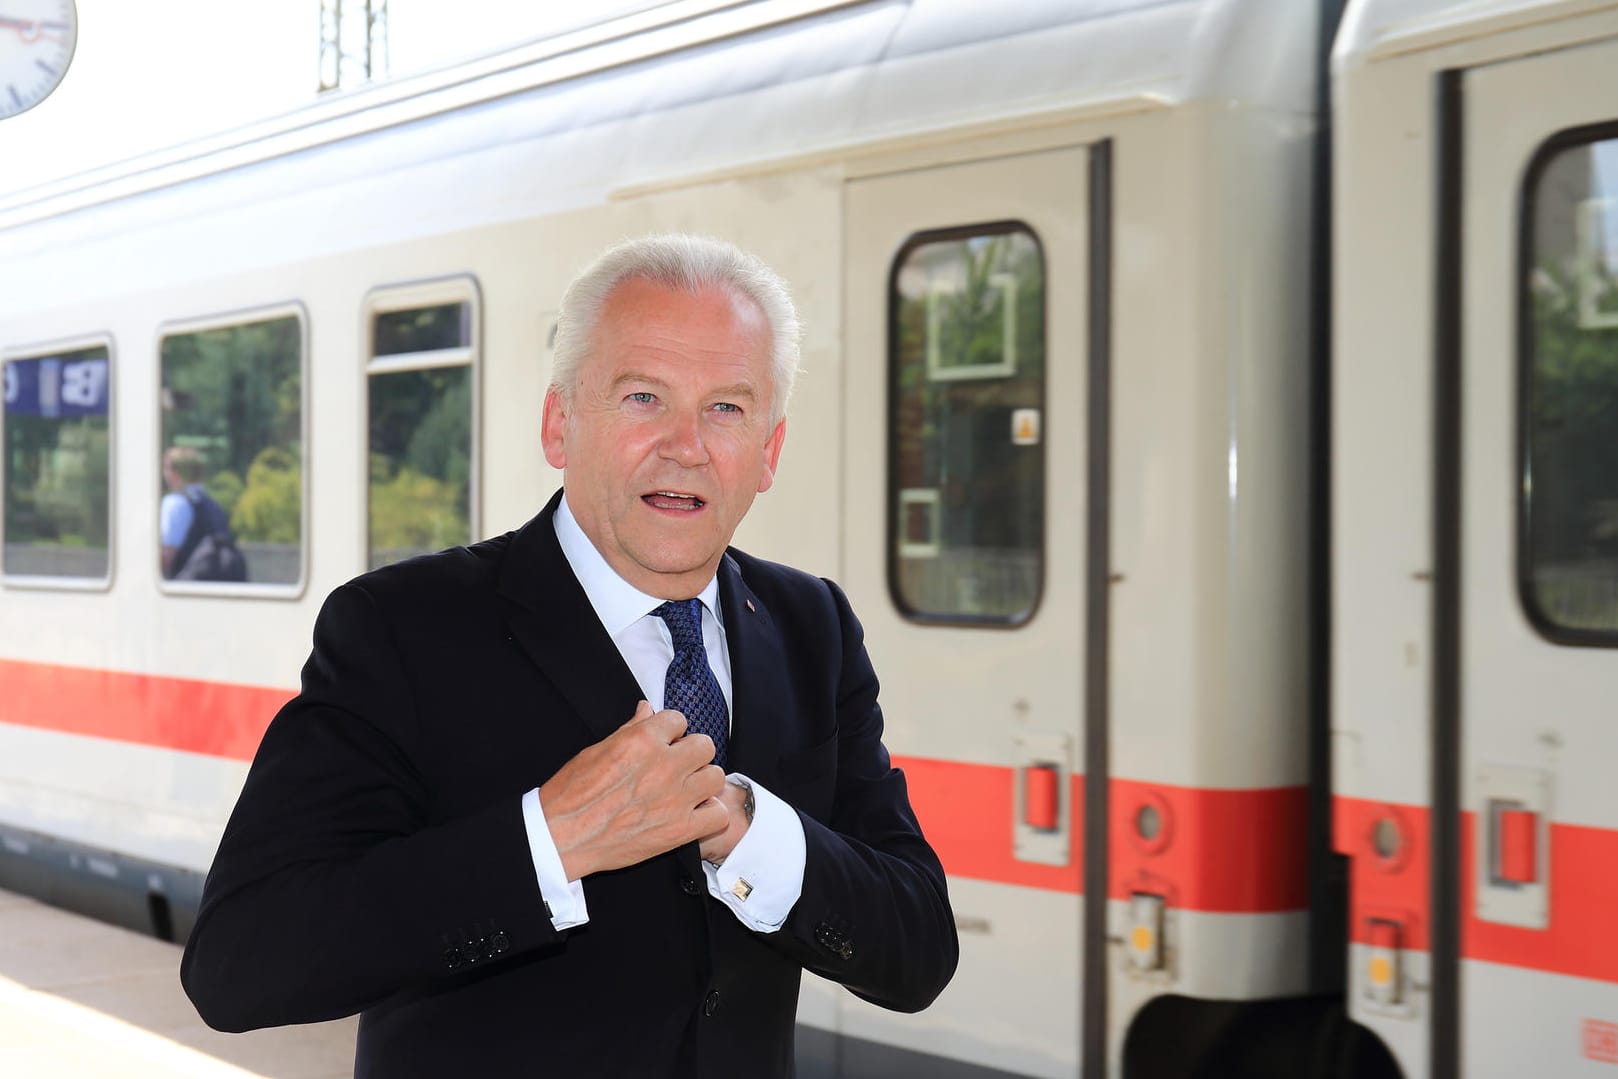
(31, 30)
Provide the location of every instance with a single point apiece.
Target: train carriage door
(1536, 671)
(964, 471)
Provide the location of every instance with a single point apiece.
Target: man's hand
(716, 848)
(645, 789)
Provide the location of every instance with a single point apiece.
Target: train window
(58, 482)
(231, 468)
(421, 400)
(1569, 542)
(966, 457)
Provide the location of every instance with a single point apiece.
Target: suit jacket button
(689, 886)
(710, 1003)
(500, 943)
(452, 958)
(834, 941)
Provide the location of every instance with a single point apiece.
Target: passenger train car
(1210, 406)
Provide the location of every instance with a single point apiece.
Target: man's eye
(641, 398)
(726, 406)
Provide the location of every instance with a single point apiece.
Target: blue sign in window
(56, 387)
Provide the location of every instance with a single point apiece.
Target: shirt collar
(617, 603)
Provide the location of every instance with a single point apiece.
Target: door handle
(1512, 845)
(1041, 810)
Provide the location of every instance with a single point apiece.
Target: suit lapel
(550, 617)
(758, 667)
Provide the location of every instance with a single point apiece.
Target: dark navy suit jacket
(377, 861)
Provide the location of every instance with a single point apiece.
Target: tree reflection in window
(57, 465)
(234, 394)
(420, 394)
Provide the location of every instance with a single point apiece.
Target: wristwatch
(747, 810)
(747, 795)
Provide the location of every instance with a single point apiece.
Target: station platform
(80, 998)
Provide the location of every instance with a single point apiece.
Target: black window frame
(1543, 624)
(1002, 226)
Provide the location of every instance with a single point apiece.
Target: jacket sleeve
(874, 914)
(331, 888)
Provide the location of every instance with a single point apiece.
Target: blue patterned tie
(690, 687)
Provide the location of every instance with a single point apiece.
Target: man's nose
(683, 442)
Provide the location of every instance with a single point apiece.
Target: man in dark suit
(497, 820)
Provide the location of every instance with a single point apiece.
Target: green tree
(270, 509)
(233, 391)
(413, 512)
(1573, 427)
(226, 489)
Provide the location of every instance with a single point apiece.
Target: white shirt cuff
(762, 878)
(564, 898)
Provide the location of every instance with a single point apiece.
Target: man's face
(667, 437)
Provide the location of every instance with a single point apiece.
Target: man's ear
(553, 429)
(772, 454)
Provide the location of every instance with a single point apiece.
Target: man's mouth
(672, 500)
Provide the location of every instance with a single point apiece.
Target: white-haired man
(585, 799)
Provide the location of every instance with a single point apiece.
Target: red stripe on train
(1222, 851)
(1393, 888)
(214, 718)
(1581, 938)
(1218, 850)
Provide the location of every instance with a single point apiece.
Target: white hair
(688, 264)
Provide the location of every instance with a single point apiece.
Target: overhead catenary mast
(353, 42)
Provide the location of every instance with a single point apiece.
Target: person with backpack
(195, 540)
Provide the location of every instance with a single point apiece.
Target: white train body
(1117, 738)
(1471, 715)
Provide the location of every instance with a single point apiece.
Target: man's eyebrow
(636, 376)
(745, 390)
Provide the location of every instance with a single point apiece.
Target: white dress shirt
(762, 877)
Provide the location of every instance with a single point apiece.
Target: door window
(967, 451)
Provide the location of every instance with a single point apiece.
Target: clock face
(36, 45)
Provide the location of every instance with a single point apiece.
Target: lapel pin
(749, 605)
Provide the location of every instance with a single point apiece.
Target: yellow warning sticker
(1025, 426)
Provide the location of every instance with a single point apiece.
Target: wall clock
(37, 38)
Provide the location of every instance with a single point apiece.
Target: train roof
(1377, 29)
(830, 71)
(682, 91)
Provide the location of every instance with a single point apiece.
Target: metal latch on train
(1042, 792)
(1512, 830)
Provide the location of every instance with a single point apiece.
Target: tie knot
(684, 618)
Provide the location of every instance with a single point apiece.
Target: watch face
(36, 45)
